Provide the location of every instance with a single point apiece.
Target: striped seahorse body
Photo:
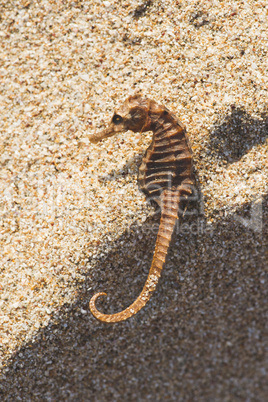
(165, 175)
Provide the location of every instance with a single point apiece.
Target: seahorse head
(132, 115)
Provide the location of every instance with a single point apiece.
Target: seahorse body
(165, 175)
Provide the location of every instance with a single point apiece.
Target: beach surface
(73, 221)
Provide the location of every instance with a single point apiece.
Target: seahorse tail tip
(92, 303)
(109, 318)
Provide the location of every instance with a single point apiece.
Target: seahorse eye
(117, 119)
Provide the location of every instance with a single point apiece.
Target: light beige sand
(74, 222)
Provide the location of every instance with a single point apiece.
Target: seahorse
(165, 175)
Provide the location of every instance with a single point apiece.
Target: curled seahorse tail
(92, 304)
(170, 202)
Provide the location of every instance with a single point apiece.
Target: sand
(73, 221)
